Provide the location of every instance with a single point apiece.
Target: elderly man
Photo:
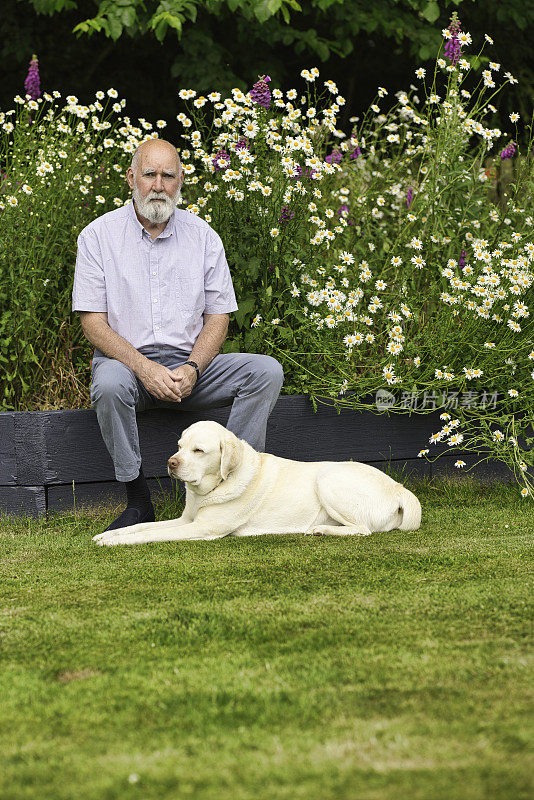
(154, 294)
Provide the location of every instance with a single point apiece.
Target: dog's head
(207, 453)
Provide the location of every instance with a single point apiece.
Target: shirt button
(156, 300)
(153, 273)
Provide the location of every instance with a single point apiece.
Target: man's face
(156, 182)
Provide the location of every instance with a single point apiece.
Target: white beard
(156, 206)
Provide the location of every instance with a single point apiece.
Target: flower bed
(393, 257)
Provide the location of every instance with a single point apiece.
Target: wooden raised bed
(43, 453)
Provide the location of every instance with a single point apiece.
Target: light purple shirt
(154, 292)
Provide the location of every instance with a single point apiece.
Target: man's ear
(231, 454)
(130, 177)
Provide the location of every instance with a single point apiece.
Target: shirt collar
(139, 228)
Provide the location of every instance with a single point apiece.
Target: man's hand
(162, 382)
(187, 375)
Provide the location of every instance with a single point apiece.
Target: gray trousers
(249, 382)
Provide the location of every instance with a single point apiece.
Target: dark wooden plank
(64, 497)
(57, 447)
(30, 448)
(22, 501)
(295, 431)
(8, 459)
(76, 451)
(403, 468)
(485, 472)
(21, 448)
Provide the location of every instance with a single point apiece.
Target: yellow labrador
(231, 489)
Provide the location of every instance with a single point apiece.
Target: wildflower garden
(399, 254)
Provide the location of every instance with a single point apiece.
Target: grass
(284, 667)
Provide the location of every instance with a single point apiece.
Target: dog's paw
(109, 538)
(105, 538)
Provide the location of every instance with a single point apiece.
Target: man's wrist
(139, 365)
(195, 366)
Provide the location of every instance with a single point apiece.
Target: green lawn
(393, 667)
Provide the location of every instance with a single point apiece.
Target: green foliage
(60, 172)
(365, 44)
(172, 15)
(116, 16)
(404, 19)
(51, 7)
(431, 11)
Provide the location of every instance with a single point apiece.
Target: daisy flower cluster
(250, 149)
(257, 170)
(50, 145)
(428, 281)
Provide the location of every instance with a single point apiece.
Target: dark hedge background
(220, 51)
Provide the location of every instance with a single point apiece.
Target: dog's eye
(198, 450)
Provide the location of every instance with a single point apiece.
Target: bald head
(155, 178)
(153, 147)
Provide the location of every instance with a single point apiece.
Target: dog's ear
(231, 453)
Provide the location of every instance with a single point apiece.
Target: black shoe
(132, 516)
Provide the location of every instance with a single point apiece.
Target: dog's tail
(410, 508)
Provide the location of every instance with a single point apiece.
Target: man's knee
(113, 382)
(270, 370)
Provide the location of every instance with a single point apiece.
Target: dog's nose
(173, 462)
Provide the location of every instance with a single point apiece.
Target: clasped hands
(172, 385)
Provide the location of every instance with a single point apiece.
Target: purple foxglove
(453, 47)
(303, 173)
(32, 85)
(260, 93)
(509, 151)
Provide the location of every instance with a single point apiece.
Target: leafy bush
(62, 165)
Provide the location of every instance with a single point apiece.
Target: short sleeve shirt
(154, 292)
